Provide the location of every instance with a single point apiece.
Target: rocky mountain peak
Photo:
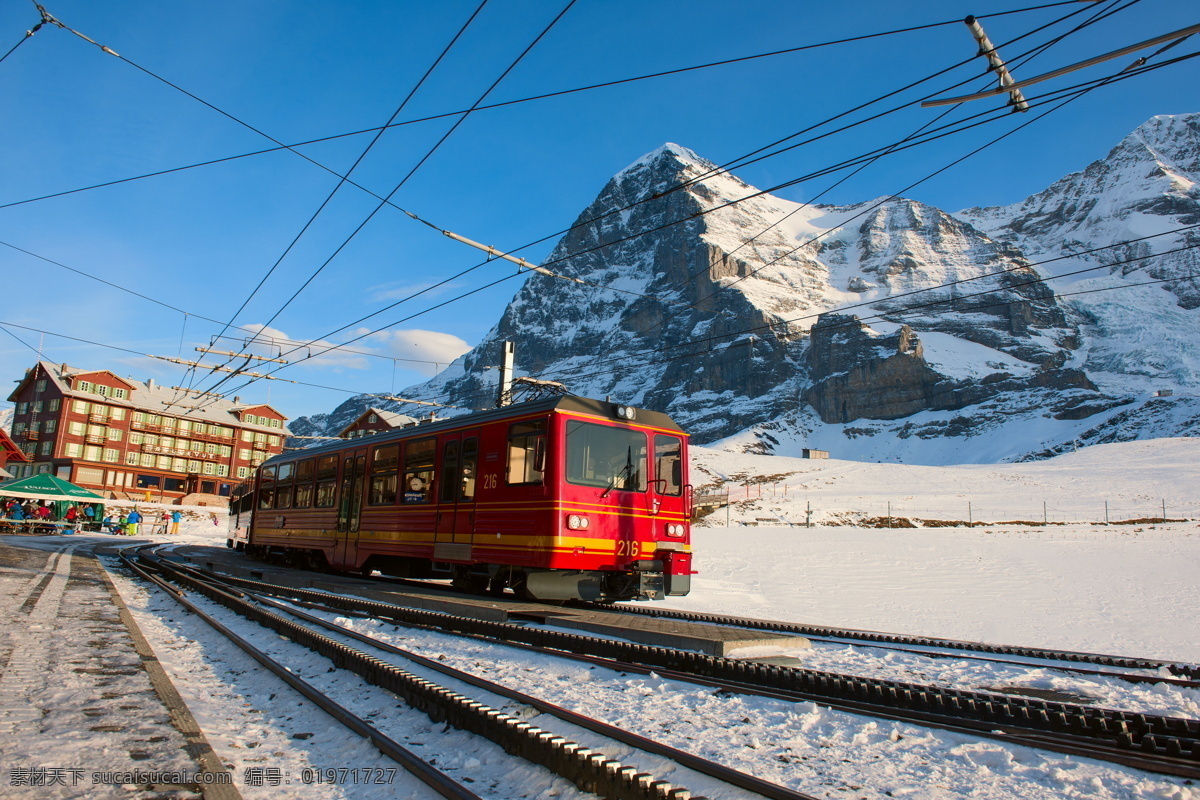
(729, 311)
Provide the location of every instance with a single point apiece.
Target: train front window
(604, 456)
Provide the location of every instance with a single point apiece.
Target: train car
(554, 499)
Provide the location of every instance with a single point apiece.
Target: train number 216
(630, 549)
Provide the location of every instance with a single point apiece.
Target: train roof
(569, 403)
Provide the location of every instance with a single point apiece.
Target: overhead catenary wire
(674, 188)
(4, 325)
(544, 96)
(343, 179)
(891, 149)
(425, 158)
(396, 322)
(701, 66)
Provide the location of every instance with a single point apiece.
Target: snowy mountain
(886, 330)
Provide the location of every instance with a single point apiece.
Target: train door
(456, 496)
(350, 503)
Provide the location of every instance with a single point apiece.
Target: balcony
(32, 436)
(194, 455)
(92, 438)
(99, 419)
(210, 437)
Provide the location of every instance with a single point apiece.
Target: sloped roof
(156, 398)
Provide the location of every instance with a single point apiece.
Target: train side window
(449, 470)
(384, 468)
(470, 463)
(283, 485)
(304, 484)
(327, 481)
(266, 492)
(668, 465)
(418, 471)
(526, 452)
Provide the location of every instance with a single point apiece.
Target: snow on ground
(1125, 589)
(1134, 479)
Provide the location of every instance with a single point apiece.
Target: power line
(4, 325)
(426, 157)
(532, 98)
(342, 180)
(769, 328)
(680, 186)
(1018, 128)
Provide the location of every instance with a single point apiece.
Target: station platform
(86, 711)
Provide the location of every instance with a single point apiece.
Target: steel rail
(693, 762)
(1154, 743)
(589, 770)
(418, 767)
(1189, 673)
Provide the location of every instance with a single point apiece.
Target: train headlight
(675, 529)
(626, 412)
(578, 522)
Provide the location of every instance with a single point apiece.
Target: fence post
(1044, 521)
(970, 516)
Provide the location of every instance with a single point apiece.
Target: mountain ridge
(731, 312)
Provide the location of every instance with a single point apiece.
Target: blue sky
(201, 239)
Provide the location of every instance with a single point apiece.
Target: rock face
(868, 328)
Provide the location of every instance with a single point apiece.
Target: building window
(84, 386)
(119, 393)
(40, 386)
(51, 425)
(80, 406)
(131, 458)
(247, 436)
(19, 427)
(102, 390)
(37, 406)
(274, 440)
(55, 404)
(76, 428)
(92, 453)
(118, 413)
(47, 447)
(223, 470)
(111, 454)
(147, 460)
(115, 434)
(21, 408)
(243, 472)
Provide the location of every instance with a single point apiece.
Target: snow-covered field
(1123, 589)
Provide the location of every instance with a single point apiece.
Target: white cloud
(274, 343)
(418, 345)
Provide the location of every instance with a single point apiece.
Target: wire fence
(776, 504)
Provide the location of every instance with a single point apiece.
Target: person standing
(132, 521)
(175, 517)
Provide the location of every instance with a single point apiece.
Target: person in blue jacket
(131, 523)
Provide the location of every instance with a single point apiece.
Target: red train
(563, 498)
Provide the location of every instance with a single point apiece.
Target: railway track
(587, 769)
(1180, 674)
(1166, 745)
